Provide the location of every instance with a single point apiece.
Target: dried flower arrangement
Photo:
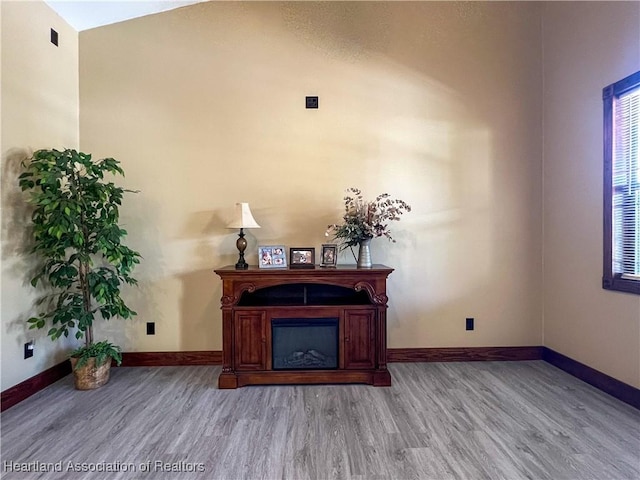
(366, 219)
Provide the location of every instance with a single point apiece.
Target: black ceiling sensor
(311, 102)
(54, 37)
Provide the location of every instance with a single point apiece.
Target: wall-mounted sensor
(311, 102)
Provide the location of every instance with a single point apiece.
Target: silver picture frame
(272, 256)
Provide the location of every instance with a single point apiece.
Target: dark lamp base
(241, 244)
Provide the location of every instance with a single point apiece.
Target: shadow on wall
(139, 217)
(200, 317)
(16, 213)
(173, 268)
(205, 238)
(16, 235)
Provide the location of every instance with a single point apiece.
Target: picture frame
(302, 257)
(329, 255)
(272, 256)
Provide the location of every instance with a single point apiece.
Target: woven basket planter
(89, 377)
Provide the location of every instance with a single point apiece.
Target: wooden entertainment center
(256, 303)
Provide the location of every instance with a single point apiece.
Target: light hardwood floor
(493, 420)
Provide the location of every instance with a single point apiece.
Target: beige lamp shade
(243, 218)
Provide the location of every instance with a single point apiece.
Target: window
(622, 185)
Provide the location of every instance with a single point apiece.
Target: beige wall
(581, 320)
(39, 110)
(436, 103)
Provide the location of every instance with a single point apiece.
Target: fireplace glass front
(304, 343)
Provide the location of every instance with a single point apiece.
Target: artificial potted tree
(84, 263)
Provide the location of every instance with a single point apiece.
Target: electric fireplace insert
(305, 343)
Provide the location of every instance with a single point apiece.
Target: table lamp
(242, 219)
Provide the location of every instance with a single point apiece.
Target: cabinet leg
(382, 378)
(227, 380)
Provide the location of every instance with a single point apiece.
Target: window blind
(626, 185)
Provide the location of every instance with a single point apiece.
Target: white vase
(364, 254)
